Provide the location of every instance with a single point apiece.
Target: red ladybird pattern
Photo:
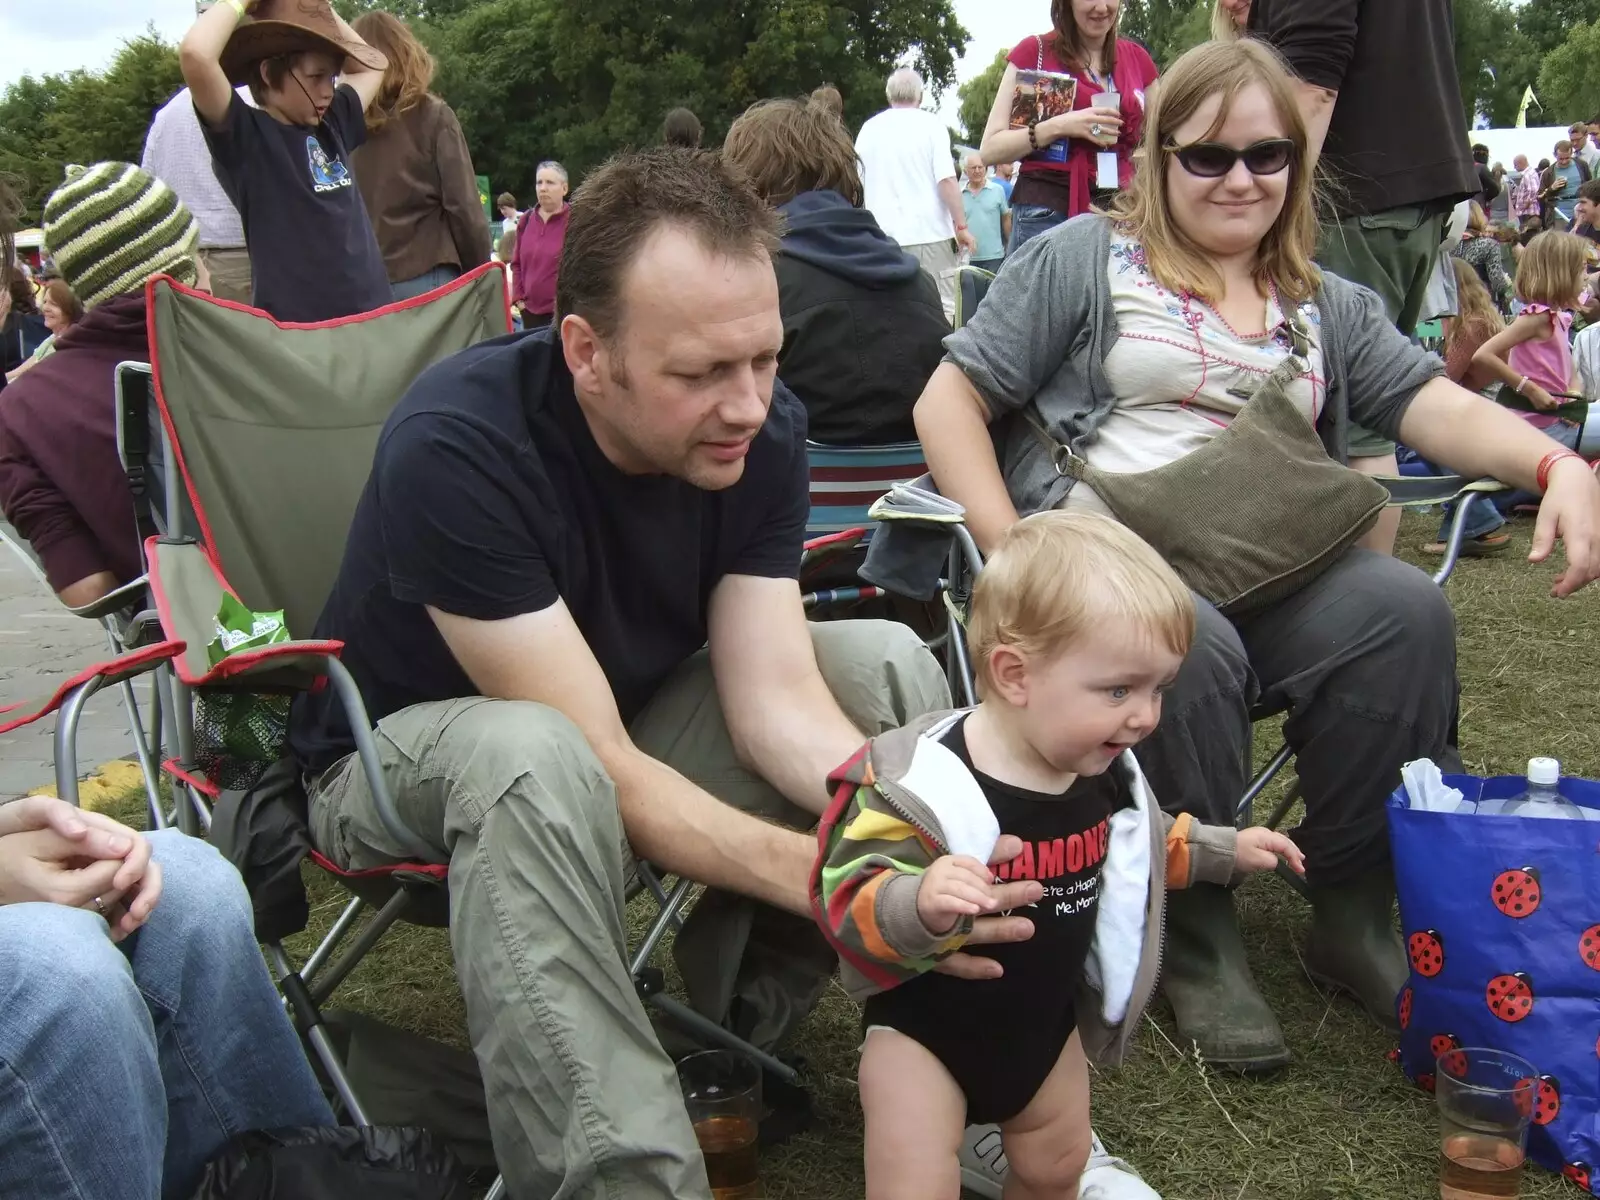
(1426, 1083)
(1523, 1095)
(1510, 997)
(1548, 1105)
(1426, 950)
(1577, 1172)
(1589, 946)
(1516, 892)
(1404, 1013)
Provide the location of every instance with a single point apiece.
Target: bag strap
(1069, 463)
(1040, 63)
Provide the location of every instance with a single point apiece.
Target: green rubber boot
(1207, 980)
(1355, 946)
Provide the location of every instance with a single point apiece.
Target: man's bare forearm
(795, 740)
(684, 829)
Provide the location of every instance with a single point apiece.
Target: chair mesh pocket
(238, 735)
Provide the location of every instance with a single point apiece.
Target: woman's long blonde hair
(1223, 26)
(1220, 69)
(411, 67)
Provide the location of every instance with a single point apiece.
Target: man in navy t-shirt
(569, 600)
(286, 164)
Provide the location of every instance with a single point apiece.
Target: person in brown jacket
(415, 172)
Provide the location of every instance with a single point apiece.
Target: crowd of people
(568, 595)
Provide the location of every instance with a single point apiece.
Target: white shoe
(983, 1162)
(984, 1167)
(1108, 1178)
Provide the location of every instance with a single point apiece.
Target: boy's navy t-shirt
(489, 498)
(313, 255)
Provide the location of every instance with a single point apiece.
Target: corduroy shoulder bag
(1253, 515)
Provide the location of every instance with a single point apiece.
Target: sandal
(1478, 547)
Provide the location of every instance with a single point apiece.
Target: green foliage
(1549, 23)
(537, 79)
(82, 117)
(1568, 84)
(977, 99)
(1166, 28)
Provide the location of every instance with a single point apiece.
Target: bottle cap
(1544, 771)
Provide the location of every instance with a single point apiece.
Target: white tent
(1505, 144)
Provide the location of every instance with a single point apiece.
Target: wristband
(237, 6)
(961, 228)
(1521, 383)
(1033, 133)
(1547, 463)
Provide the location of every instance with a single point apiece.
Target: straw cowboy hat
(278, 27)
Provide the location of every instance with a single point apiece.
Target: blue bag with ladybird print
(1501, 919)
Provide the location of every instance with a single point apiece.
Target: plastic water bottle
(1543, 797)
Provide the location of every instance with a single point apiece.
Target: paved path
(42, 644)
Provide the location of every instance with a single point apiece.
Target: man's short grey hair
(551, 164)
(968, 157)
(904, 87)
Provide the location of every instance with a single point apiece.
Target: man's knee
(1403, 610)
(198, 885)
(880, 672)
(60, 968)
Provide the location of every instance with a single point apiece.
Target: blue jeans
(1489, 512)
(406, 289)
(124, 1069)
(1029, 221)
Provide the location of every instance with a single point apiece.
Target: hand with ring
(53, 853)
(1102, 126)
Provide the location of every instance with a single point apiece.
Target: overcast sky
(40, 37)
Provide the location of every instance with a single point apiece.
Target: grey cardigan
(1042, 334)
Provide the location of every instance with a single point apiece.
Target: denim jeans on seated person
(125, 1069)
(1029, 221)
(1489, 511)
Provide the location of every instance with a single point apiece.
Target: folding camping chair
(126, 618)
(308, 408)
(845, 482)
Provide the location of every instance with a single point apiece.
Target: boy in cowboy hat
(286, 164)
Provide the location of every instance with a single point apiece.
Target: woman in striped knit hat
(109, 227)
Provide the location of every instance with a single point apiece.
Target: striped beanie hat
(111, 226)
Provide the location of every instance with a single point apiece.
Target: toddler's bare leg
(915, 1114)
(1047, 1143)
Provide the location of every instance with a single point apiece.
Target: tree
(977, 98)
(1495, 60)
(1568, 85)
(48, 123)
(1166, 28)
(1549, 23)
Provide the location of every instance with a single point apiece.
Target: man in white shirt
(175, 152)
(909, 175)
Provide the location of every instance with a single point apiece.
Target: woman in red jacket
(1081, 157)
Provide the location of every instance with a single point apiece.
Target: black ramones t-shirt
(313, 255)
(999, 1038)
(489, 498)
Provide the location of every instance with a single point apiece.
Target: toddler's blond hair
(1056, 576)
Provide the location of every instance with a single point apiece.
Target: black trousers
(1363, 662)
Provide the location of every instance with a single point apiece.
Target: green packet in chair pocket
(240, 629)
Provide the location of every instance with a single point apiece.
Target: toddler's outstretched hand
(1259, 848)
(952, 888)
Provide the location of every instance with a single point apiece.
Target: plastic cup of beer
(1486, 1098)
(722, 1091)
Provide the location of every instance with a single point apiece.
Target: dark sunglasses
(1213, 160)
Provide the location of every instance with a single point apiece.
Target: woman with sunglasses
(1122, 344)
(1062, 154)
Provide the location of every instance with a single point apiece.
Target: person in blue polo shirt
(988, 214)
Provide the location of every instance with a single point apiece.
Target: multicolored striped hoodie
(904, 800)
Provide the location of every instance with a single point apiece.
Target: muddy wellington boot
(1207, 980)
(1354, 946)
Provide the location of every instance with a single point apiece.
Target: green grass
(1341, 1123)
